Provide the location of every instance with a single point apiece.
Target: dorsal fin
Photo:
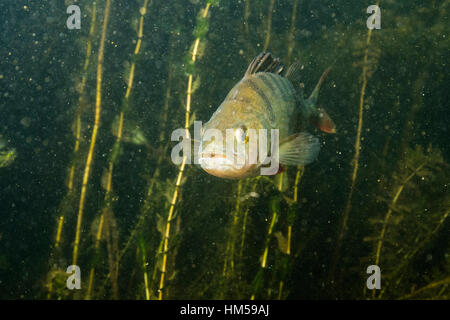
(264, 62)
(293, 73)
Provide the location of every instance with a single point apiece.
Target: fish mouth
(214, 160)
(217, 164)
(212, 155)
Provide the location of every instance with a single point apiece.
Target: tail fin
(318, 116)
(320, 119)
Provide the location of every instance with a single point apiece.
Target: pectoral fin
(299, 149)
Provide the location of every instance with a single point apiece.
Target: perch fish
(264, 99)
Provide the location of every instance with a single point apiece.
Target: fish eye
(241, 134)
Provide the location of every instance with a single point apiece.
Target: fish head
(225, 150)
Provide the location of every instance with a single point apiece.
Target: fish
(264, 100)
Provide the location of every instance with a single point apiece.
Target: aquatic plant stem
(355, 161)
(147, 290)
(156, 173)
(98, 105)
(97, 245)
(167, 229)
(70, 183)
(265, 254)
(269, 25)
(181, 169)
(291, 215)
(146, 206)
(244, 224)
(144, 267)
(388, 215)
(432, 285)
(235, 222)
(389, 212)
(77, 123)
(115, 154)
(395, 274)
(269, 233)
(229, 253)
(291, 36)
(298, 176)
(417, 103)
(246, 15)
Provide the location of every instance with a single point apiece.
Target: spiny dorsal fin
(264, 62)
(293, 73)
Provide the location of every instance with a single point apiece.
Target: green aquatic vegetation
(368, 63)
(158, 192)
(291, 43)
(417, 208)
(56, 285)
(285, 241)
(250, 194)
(258, 281)
(131, 132)
(247, 191)
(112, 242)
(69, 201)
(126, 131)
(95, 129)
(7, 157)
(270, 278)
(143, 251)
(202, 27)
(174, 198)
(269, 25)
(271, 257)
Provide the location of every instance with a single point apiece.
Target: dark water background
(405, 126)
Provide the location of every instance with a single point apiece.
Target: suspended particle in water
(25, 122)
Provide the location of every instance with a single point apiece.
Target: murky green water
(86, 176)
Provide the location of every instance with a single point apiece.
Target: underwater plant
(403, 235)
(98, 106)
(7, 155)
(269, 25)
(367, 69)
(291, 43)
(129, 133)
(68, 202)
(199, 32)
